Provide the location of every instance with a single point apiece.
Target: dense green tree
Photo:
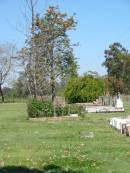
(115, 62)
(115, 57)
(126, 77)
(84, 89)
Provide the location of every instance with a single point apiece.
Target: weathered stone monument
(119, 102)
(121, 124)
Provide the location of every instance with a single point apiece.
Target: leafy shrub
(84, 89)
(76, 109)
(46, 109)
(37, 108)
(65, 110)
(61, 111)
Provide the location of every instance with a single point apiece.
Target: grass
(56, 147)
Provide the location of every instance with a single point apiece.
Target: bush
(76, 109)
(69, 109)
(37, 108)
(62, 111)
(84, 89)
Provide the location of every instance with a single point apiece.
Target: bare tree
(29, 53)
(6, 56)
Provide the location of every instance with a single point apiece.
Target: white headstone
(119, 103)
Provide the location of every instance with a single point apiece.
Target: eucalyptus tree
(48, 55)
(55, 49)
(115, 62)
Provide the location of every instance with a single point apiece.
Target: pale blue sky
(100, 23)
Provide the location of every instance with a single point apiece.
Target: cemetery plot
(99, 109)
(121, 124)
(117, 107)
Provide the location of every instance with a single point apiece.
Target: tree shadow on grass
(46, 169)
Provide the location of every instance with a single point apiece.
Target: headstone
(119, 102)
(127, 129)
(121, 124)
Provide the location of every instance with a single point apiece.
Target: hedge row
(37, 108)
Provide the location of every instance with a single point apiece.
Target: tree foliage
(57, 52)
(117, 63)
(19, 87)
(84, 89)
(49, 54)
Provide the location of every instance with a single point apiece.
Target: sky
(100, 23)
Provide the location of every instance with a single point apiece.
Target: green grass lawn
(56, 147)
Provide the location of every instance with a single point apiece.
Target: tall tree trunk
(2, 95)
(33, 47)
(53, 85)
(53, 89)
